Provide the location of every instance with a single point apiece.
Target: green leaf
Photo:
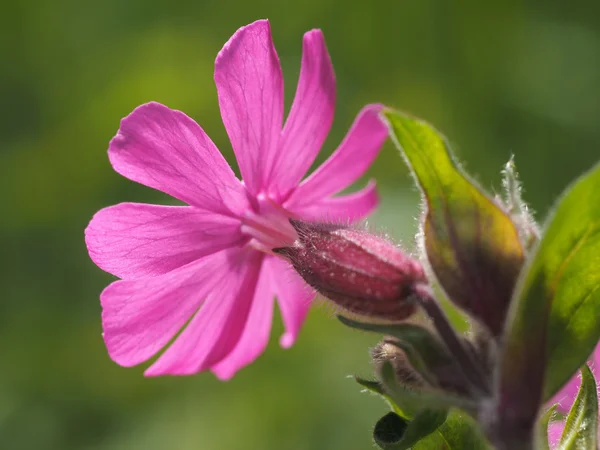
(542, 428)
(461, 432)
(574, 327)
(457, 432)
(392, 432)
(377, 388)
(581, 428)
(554, 323)
(421, 340)
(471, 243)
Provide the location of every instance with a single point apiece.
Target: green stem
(471, 368)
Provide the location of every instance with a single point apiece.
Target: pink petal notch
(293, 296)
(216, 328)
(133, 240)
(311, 115)
(166, 150)
(250, 89)
(139, 317)
(255, 337)
(348, 163)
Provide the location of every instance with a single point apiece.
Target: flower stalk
(471, 367)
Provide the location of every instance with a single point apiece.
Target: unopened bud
(406, 375)
(438, 371)
(361, 273)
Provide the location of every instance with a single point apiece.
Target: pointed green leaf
(554, 323)
(377, 388)
(574, 327)
(371, 385)
(542, 428)
(418, 337)
(581, 428)
(471, 243)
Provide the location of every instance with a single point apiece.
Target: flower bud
(359, 272)
(406, 375)
(437, 371)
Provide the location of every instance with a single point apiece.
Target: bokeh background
(497, 77)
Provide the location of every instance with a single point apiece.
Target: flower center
(269, 227)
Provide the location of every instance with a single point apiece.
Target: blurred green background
(497, 77)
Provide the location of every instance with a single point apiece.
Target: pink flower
(210, 263)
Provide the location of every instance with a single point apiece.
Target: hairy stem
(465, 358)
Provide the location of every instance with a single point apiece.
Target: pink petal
(311, 115)
(294, 297)
(216, 328)
(343, 209)
(139, 317)
(133, 240)
(250, 88)
(555, 431)
(352, 158)
(166, 150)
(255, 336)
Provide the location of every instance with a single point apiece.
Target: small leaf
(471, 243)
(460, 432)
(581, 428)
(418, 337)
(377, 388)
(542, 428)
(392, 432)
(371, 385)
(554, 323)
(423, 350)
